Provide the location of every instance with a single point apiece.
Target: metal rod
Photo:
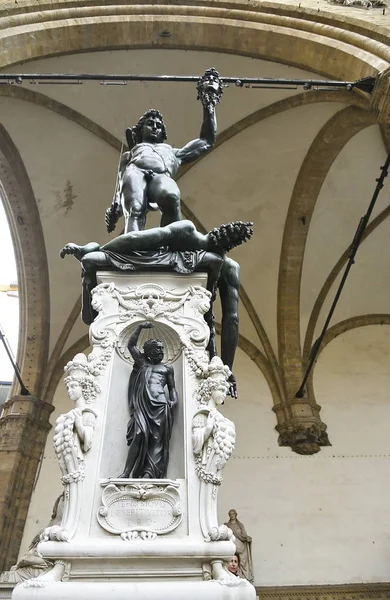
(351, 260)
(23, 390)
(365, 84)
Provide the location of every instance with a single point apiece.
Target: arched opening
(9, 307)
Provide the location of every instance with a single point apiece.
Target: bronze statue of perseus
(146, 171)
(145, 181)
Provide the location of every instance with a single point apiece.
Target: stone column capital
(302, 428)
(18, 413)
(27, 405)
(380, 99)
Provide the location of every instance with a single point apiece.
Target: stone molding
(353, 591)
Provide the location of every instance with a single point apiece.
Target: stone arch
(344, 326)
(330, 281)
(325, 148)
(273, 32)
(26, 231)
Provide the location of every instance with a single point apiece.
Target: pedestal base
(142, 539)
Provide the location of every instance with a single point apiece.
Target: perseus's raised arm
(209, 93)
(205, 141)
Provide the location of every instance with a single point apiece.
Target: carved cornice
(361, 591)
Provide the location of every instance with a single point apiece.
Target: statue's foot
(124, 475)
(78, 251)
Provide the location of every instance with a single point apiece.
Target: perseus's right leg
(134, 198)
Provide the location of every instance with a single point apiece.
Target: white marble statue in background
(243, 545)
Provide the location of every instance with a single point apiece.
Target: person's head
(226, 237)
(74, 389)
(214, 386)
(210, 84)
(80, 382)
(234, 564)
(232, 514)
(150, 128)
(154, 351)
(81, 387)
(218, 392)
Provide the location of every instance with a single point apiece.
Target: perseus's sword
(118, 188)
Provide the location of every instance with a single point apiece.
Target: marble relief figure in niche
(146, 171)
(151, 411)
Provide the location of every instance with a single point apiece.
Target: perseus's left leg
(164, 191)
(90, 263)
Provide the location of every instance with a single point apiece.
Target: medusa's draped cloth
(150, 426)
(179, 261)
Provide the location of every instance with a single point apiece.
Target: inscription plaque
(129, 513)
(151, 508)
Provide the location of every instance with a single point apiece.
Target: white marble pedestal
(141, 538)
